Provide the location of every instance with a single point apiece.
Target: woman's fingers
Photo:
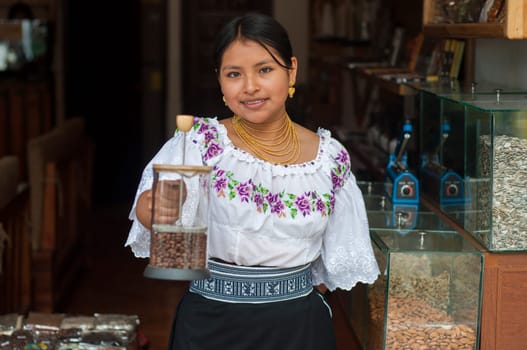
(166, 216)
(167, 201)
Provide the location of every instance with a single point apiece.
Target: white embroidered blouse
(263, 214)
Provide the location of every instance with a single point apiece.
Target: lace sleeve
(347, 255)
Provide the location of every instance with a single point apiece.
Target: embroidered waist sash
(242, 284)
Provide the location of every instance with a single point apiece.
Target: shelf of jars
(475, 19)
(473, 175)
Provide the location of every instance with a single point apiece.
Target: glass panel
(501, 191)
(424, 307)
(484, 159)
(424, 240)
(428, 294)
(377, 292)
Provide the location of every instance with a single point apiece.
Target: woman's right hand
(166, 202)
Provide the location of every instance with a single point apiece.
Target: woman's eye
(233, 74)
(266, 69)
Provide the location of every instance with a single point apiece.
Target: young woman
(287, 220)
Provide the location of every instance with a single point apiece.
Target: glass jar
(178, 241)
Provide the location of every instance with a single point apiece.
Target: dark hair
(263, 29)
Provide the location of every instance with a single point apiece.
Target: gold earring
(224, 100)
(291, 90)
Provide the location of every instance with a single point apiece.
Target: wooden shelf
(514, 25)
(465, 30)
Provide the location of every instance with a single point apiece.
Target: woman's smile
(254, 104)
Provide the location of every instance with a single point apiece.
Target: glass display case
(473, 147)
(383, 214)
(428, 294)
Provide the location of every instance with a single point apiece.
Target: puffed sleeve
(199, 148)
(347, 255)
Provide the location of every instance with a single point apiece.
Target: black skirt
(299, 324)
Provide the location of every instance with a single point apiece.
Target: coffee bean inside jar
(174, 246)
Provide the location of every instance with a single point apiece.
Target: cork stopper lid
(184, 122)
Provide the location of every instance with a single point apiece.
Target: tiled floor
(113, 283)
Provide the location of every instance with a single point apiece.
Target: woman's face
(254, 85)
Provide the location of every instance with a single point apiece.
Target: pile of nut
(415, 324)
(507, 201)
(425, 310)
(411, 276)
(179, 250)
(433, 290)
(49, 331)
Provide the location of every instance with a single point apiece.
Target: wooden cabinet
(511, 23)
(504, 303)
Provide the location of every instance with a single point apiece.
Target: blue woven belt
(241, 284)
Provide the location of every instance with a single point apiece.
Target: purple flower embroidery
(213, 150)
(211, 145)
(275, 203)
(271, 198)
(332, 201)
(248, 192)
(244, 191)
(320, 205)
(258, 200)
(343, 157)
(220, 184)
(303, 204)
(277, 208)
(280, 204)
(337, 180)
(209, 136)
(202, 128)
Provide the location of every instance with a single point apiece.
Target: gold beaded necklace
(282, 148)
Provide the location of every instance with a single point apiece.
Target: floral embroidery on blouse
(210, 134)
(342, 171)
(281, 204)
